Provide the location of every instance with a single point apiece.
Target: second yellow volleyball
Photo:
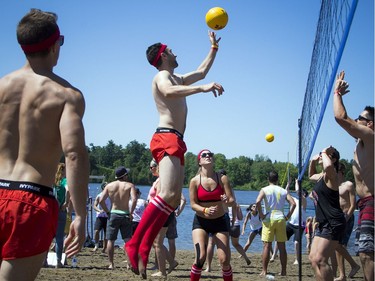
(270, 137)
(216, 18)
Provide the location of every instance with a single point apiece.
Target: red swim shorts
(163, 144)
(28, 223)
(366, 209)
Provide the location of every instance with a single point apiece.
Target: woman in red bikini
(208, 192)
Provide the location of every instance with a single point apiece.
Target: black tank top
(327, 204)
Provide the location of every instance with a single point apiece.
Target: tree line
(244, 172)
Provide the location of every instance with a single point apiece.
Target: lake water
(184, 221)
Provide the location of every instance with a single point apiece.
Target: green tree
(221, 162)
(348, 170)
(286, 171)
(191, 167)
(239, 170)
(111, 152)
(259, 171)
(243, 172)
(137, 158)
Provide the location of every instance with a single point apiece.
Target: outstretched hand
(341, 86)
(213, 39)
(215, 88)
(74, 242)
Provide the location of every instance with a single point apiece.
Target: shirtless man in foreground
(40, 120)
(167, 146)
(362, 129)
(120, 215)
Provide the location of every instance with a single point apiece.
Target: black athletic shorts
(101, 223)
(211, 225)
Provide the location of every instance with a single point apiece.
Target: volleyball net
(335, 19)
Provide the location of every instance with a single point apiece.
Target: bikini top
(205, 195)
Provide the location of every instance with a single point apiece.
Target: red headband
(156, 59)
(43, 45)
(200, 153)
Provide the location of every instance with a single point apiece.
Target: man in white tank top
(274, 221)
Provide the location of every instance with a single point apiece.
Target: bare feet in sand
(158, 274)
(172, 266)
(263, 273)
(354, 271)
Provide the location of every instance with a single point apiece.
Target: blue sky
(263, 64)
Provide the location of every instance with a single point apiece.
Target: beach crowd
(42, 115)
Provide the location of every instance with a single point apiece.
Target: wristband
(206, 210)
(337, 93)
(215, 46)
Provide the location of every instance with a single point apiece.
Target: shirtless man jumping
(167, 146)
(362, 129)
(120, 215)
(40, 120)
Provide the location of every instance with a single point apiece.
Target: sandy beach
(93, 266)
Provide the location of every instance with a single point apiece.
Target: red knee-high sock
(227, 274)
(149, 218)
(195, 273)
(132, 246)
(158, 214)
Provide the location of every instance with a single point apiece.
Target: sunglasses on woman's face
(207, 154)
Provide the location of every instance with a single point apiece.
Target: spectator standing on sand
(101, 220)
(274, 220)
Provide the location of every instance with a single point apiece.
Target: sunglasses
(61, 40)
(361, 118)
(152, 167)
(320, 154)
(207, 154)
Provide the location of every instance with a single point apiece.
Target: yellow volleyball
(217, 18)
(270, 137)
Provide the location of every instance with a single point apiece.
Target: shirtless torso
(119, 192)
(363, 167)
(172, 112)
(347, 198)
(37, 109)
